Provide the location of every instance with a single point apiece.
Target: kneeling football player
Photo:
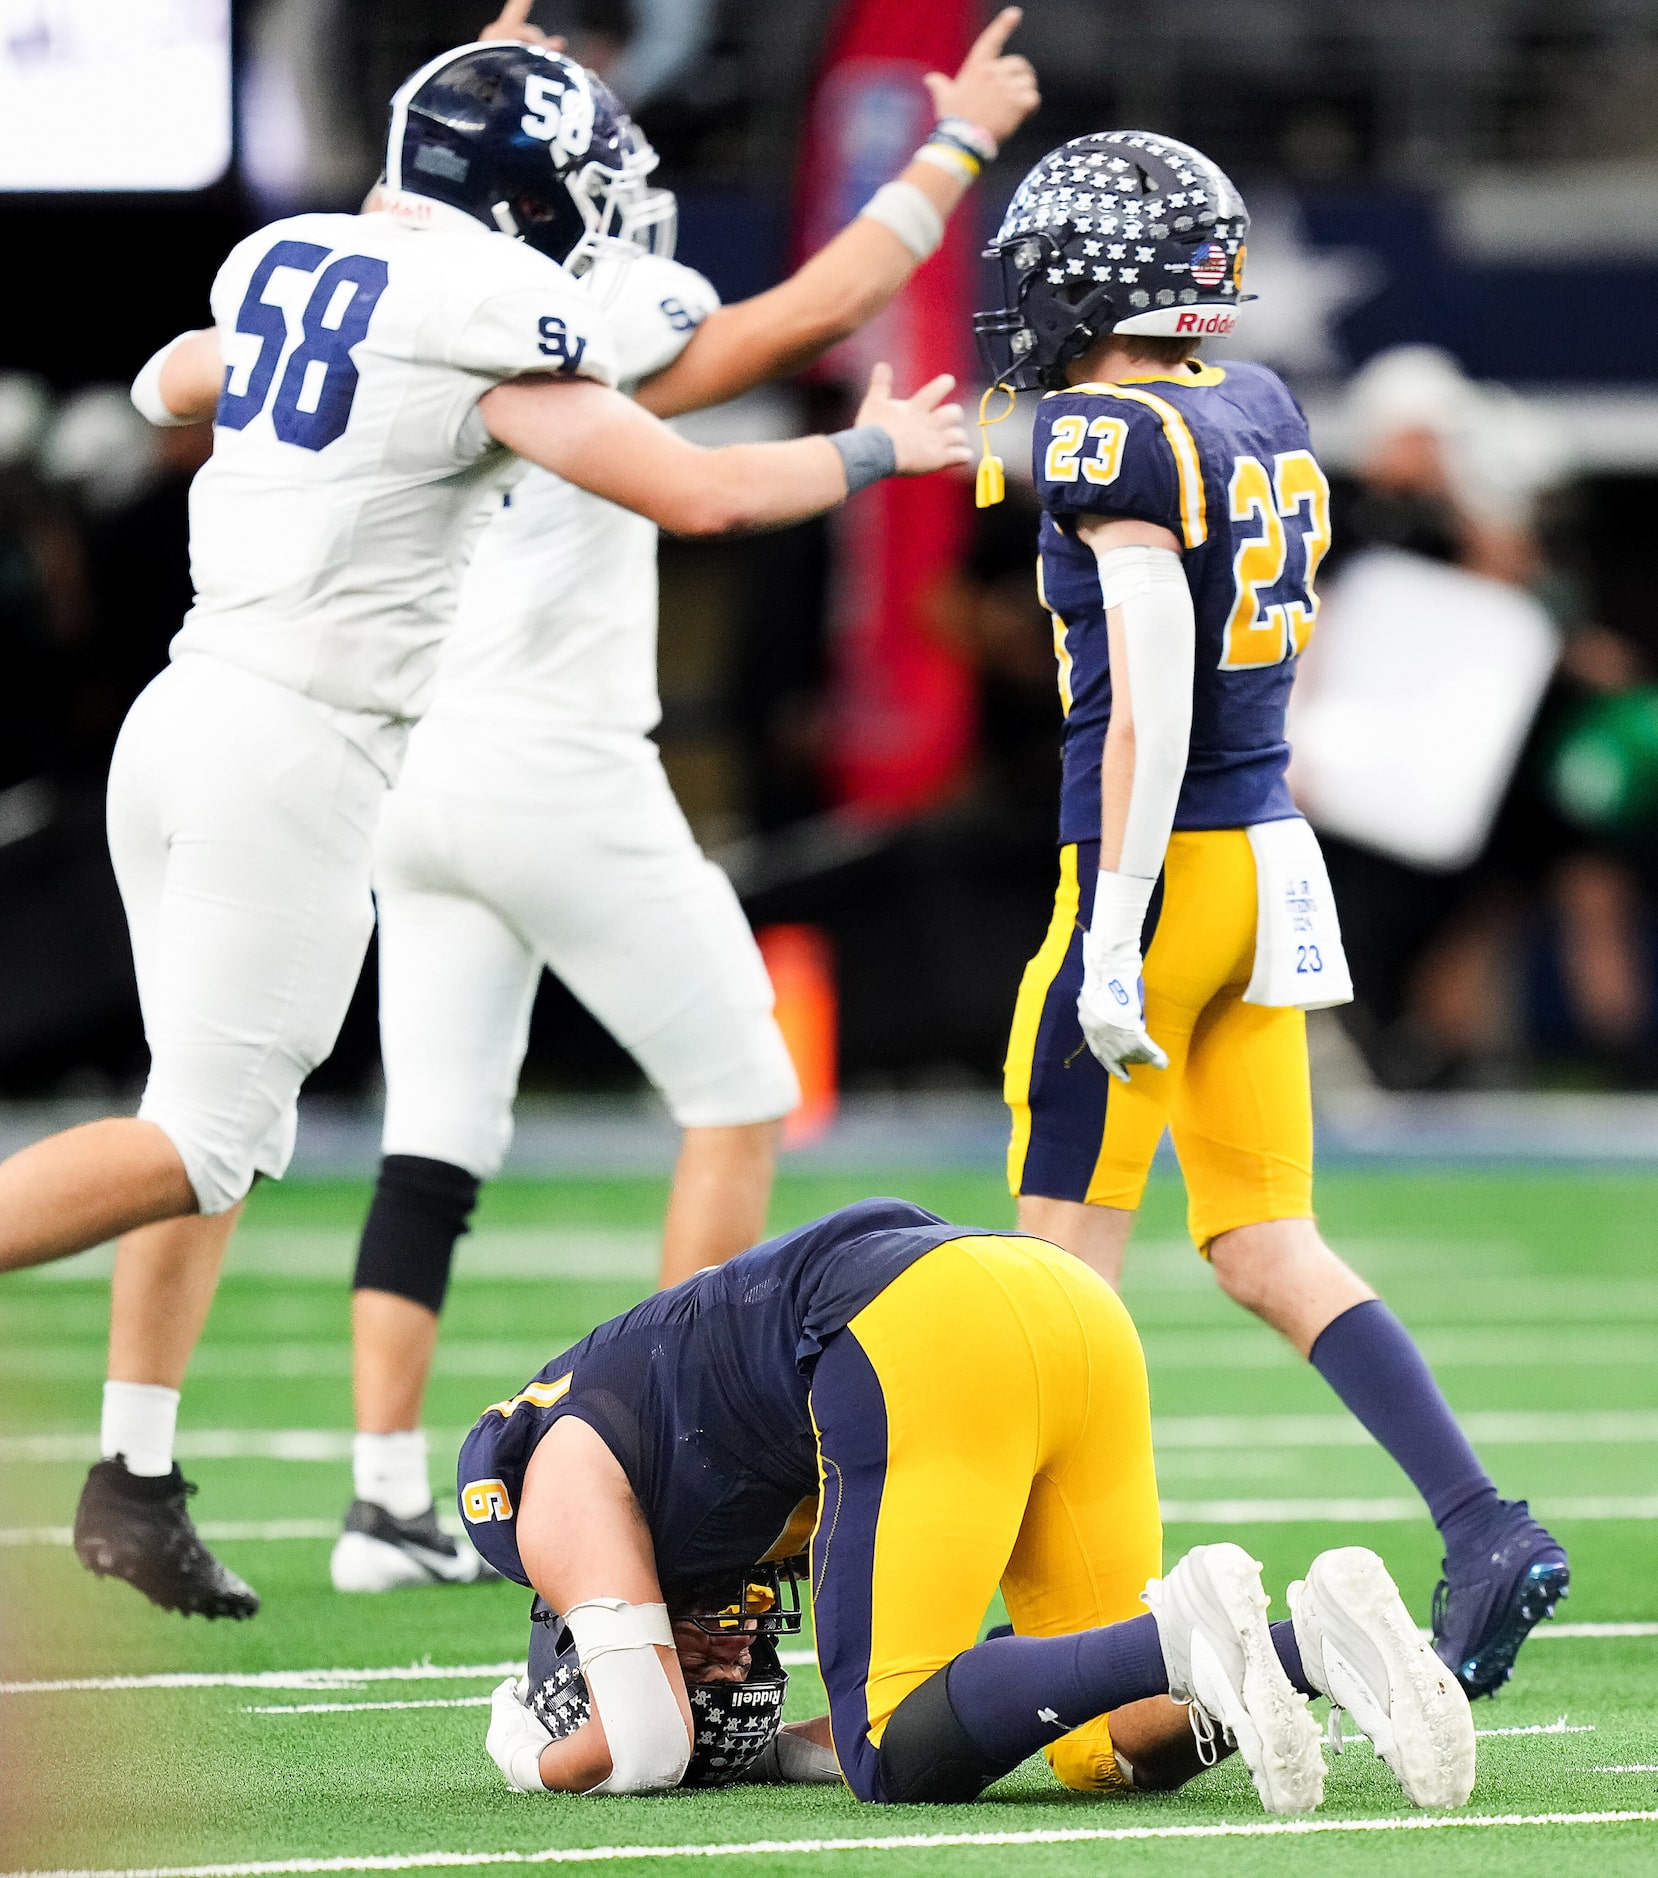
(944, 1411)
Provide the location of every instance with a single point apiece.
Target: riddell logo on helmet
(1217, 320)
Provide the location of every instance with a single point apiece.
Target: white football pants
(241, 826)
(489, 866)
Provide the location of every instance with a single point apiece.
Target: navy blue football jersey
(1220, 456)
(701, 1394)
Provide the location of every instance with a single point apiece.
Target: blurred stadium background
(1456, 248)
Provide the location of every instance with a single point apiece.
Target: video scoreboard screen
(114, 94)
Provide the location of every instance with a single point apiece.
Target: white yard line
(1175, 1512)
(1290, 1512)
(1561, 1727)
(1497, 1428)
(897, 1842)
(316, 1679)
(322, 1680)
(355, 1708)
(1617, 1344)
(1566, 1632)
(1260, 1434)
(319, 1679)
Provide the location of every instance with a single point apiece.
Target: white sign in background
(114, 94)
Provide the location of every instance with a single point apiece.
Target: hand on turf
(993, 89)
(927, 434)
(516, 1738)
(1111, 1008)
(791, 1759)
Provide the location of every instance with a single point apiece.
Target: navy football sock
(1289, 1655)
(1371, 1361)
(1013, 1695)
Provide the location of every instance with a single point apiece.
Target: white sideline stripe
(898, 1842)
(1175, 1513)
(356, 1708)
(1595, 1630)
(330, 1679)
(210, 1529)
(1561, 1727)
(1635, 1767)
(319, 1679)
(316, 1679)
(1256, 1433)
(1289, 1512)
(1487, 1429)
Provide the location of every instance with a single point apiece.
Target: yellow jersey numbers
(484, 1500)
(1293, 491)
(1103, 465)
(538, 1395)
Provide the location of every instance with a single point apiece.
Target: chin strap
(990, 485)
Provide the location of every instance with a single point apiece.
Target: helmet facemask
(733, 1722)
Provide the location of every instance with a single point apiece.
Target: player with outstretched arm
(382, 372)
(1185, 516)
(533, 825)
(944, 1411)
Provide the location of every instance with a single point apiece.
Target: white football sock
(390, 1470)
(139, 1421)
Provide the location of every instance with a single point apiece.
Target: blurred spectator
(44, 605)
(129, 486)
(1461, 474)
(988, 612)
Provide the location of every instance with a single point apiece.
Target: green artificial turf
(1535, 1295)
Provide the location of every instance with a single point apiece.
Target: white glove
(516, 1738)
(1111, 1007)
(792, 1760)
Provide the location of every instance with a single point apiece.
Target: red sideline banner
(901, 708)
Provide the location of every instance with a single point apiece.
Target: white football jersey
(555, 630)
(350, 467)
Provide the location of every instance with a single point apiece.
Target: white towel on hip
(1299, 961)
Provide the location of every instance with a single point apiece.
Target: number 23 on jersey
(1266, 506)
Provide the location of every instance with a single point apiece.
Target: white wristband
(1120, 903)
(912, 218)
(146, 389)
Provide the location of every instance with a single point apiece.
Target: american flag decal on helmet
(1209, 265)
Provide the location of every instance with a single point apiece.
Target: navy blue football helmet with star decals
(733, 1723)
(1123, 231)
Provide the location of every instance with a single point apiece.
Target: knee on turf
(926, 1756)
(420, 1209)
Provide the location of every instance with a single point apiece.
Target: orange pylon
(801, 961)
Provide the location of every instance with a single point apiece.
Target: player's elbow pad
(650, 1747)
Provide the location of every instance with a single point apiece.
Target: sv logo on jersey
(556, 343)
(558, 113)
(484, 1500)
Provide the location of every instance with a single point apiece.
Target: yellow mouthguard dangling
(990, 486)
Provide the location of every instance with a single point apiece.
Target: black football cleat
(136, 1527)
(1487, 1607)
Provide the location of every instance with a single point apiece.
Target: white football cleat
(1360, 1648)
(1212, 1620)
(377, 1552)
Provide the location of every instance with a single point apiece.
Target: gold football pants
(1235, 1095)
(983, 1422)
